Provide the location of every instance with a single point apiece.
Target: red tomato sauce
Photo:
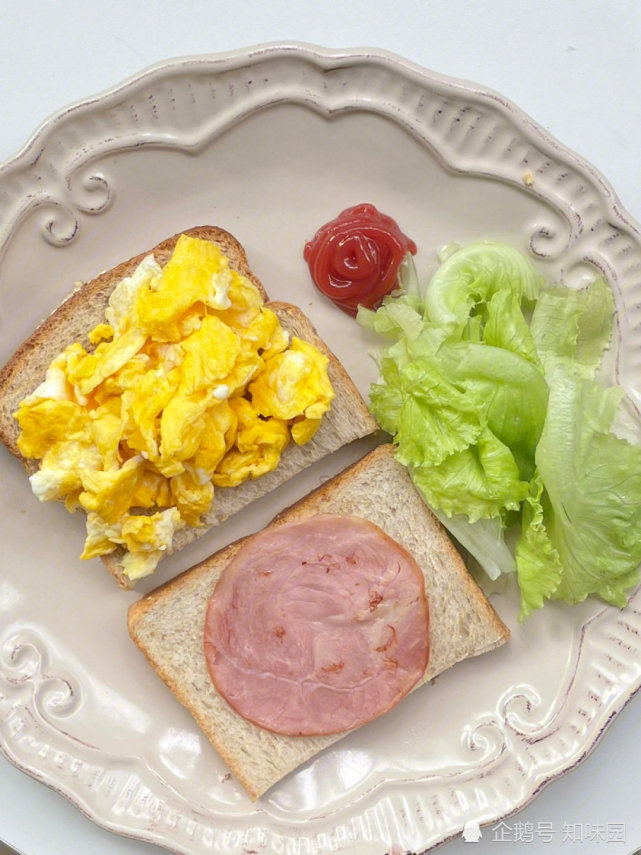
(354, 259)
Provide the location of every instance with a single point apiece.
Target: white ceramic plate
(270, 143)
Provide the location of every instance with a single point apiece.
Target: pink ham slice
(317, 627)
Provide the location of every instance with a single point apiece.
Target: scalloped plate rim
(323, 56)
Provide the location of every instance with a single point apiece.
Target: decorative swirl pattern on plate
(25, 665)
(520, 745)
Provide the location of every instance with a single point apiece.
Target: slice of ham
(317, 627)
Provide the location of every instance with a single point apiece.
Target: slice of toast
(168, 624)
(348, 419)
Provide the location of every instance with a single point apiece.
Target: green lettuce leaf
(428, 417)
(400, 316)
(539, 568)
(510, 390)
(572, 329)
(483, 539)
(471, 276)
(506, 327)
(481, 481)
(592, 480)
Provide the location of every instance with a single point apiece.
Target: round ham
(318, 626)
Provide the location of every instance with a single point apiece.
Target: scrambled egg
(191, 384)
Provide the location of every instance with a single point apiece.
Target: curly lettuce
(487, 389)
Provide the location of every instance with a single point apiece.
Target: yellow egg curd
(190, 383)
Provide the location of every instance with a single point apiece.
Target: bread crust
(462, 621)
(348, 419)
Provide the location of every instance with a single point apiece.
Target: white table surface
(573, 65)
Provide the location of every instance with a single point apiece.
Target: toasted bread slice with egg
(168, 624)
(347, 420)
(80, 312)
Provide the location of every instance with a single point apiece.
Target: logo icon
(472, 831)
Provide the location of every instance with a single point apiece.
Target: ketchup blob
(355, 258)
